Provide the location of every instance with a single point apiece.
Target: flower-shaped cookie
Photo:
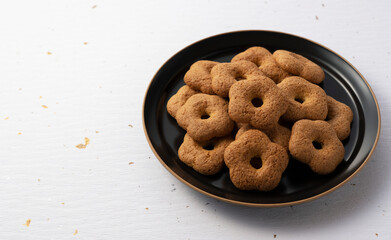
(225, 75)
(306, 100)
(265, 61)
(316, 144)
(279, 134)
(204, 117)
(340, 116)
(198, 77)
(254, 162)
(258, 102)
(204, 157)
(179, 99)
(298, 65)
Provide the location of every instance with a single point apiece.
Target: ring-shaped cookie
(254, 162)
(258, 102)
(298, 65)
(204, 157)
(204, 117)
(179, 99)
(224, 75)
(340, 116)
(198, 77)
(279, 134)
(306, 100)
(265, 61)
(316, 144)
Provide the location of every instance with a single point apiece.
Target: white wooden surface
(90, 63)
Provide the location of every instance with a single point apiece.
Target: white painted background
(100, 85)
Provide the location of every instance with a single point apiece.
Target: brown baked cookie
(316, 144)
(258, 102)
(204, 117)
(265, 61)
(204, 157)
(179, 99)
(242, 128)
(298, 65)
(340, 116)
(279, 134)
(226, 74)
(198, 77)
(305, 100)
(254, 162)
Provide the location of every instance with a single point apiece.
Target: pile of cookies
(253, 112)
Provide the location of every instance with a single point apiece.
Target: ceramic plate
(298, 184)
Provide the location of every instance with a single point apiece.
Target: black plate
(299, 183)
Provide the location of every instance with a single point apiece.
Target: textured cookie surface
(225, 75)
(204, 157)
(305, 100)
(279, 134)
(254, 162)
(204, 117)
(265, 61)
(179, 99)
(316, 144)
(198, 77)
(340, 116)
(257, 102)
(298, 65)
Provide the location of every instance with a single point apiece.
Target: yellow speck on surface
(146, 208)
(93, 6)
(75, 232)
(130, 163)
(19, 133)
(96, 131)
(49, 53)
(44, 106)
(6, 118)
(86, 142)
(62, 203)
(28, 221)
(20, 89)
(85, 43)
(39, 180)
(40, 97)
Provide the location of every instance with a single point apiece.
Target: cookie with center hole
(204, 157)
(205, 116)
(258, 102)
(179, 99)
(254, 162)
(298, 65)
(316, 144)
(340, 116)
(224, 75)
(305, 100)
(198, 77)
(265, 61)
(279, 134)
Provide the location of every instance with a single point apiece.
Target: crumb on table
(82, 146)
(28, 221)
